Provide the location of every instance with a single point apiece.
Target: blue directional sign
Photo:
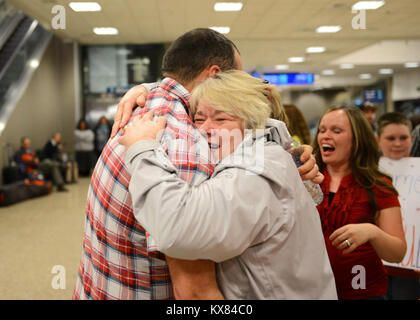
(287, 78)
(373, 95)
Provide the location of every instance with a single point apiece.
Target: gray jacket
(261, 226)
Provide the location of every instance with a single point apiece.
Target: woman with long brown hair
(360, 213)
(296, 123)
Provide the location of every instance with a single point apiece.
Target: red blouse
(351, 205)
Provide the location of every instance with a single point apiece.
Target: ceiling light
(105, 31)
(85, 6)
(328, 29)
(228, 6)
(365, 76)
(346, 66)
(386, 71)
(282, 67)
(411, 64)
(34, 63)
(296, 59)
(223, 30)
(124, 52)
(368, 5)
(328, 72)
(315, 49)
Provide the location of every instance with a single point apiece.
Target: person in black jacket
(53, 152)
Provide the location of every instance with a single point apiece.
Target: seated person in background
(32, 167)
(297, 124)
(26, 159)
(53, 152)
(256, 220)
(394, 139)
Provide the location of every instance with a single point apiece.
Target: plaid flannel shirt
(118, 260)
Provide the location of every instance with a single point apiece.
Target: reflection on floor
(37, 235)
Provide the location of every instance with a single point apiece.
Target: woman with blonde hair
(360, 214)
(260, 226)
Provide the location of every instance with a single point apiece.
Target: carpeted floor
(37, 235)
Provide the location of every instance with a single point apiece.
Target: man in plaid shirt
(118, 261)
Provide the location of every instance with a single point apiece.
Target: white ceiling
(267, 32)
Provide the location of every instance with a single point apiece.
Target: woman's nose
(323, 134)
(206, 127)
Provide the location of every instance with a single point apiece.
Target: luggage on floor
(10, 171)
(19, 191)
(12, 174)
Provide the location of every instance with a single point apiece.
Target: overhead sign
(286, 78)
(373, 95)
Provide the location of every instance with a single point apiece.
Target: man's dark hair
(196, 50)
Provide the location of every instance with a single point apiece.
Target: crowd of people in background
(51, 165)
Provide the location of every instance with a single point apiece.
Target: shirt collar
(177, 89)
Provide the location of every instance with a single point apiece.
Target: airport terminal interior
(63, 61)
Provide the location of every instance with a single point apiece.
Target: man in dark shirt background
(53, 154)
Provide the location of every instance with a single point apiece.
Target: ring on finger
(347, 242)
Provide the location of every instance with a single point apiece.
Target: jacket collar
(250, 152)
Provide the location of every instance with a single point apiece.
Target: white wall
(312, 105)
(406, 86)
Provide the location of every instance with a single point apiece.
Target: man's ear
(213, 70)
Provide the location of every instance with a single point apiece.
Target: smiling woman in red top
(360, 213)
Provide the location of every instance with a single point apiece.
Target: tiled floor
(37, 235)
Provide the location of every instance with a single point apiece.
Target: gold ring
(347, 243)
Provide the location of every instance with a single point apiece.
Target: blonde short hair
(241, 95)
